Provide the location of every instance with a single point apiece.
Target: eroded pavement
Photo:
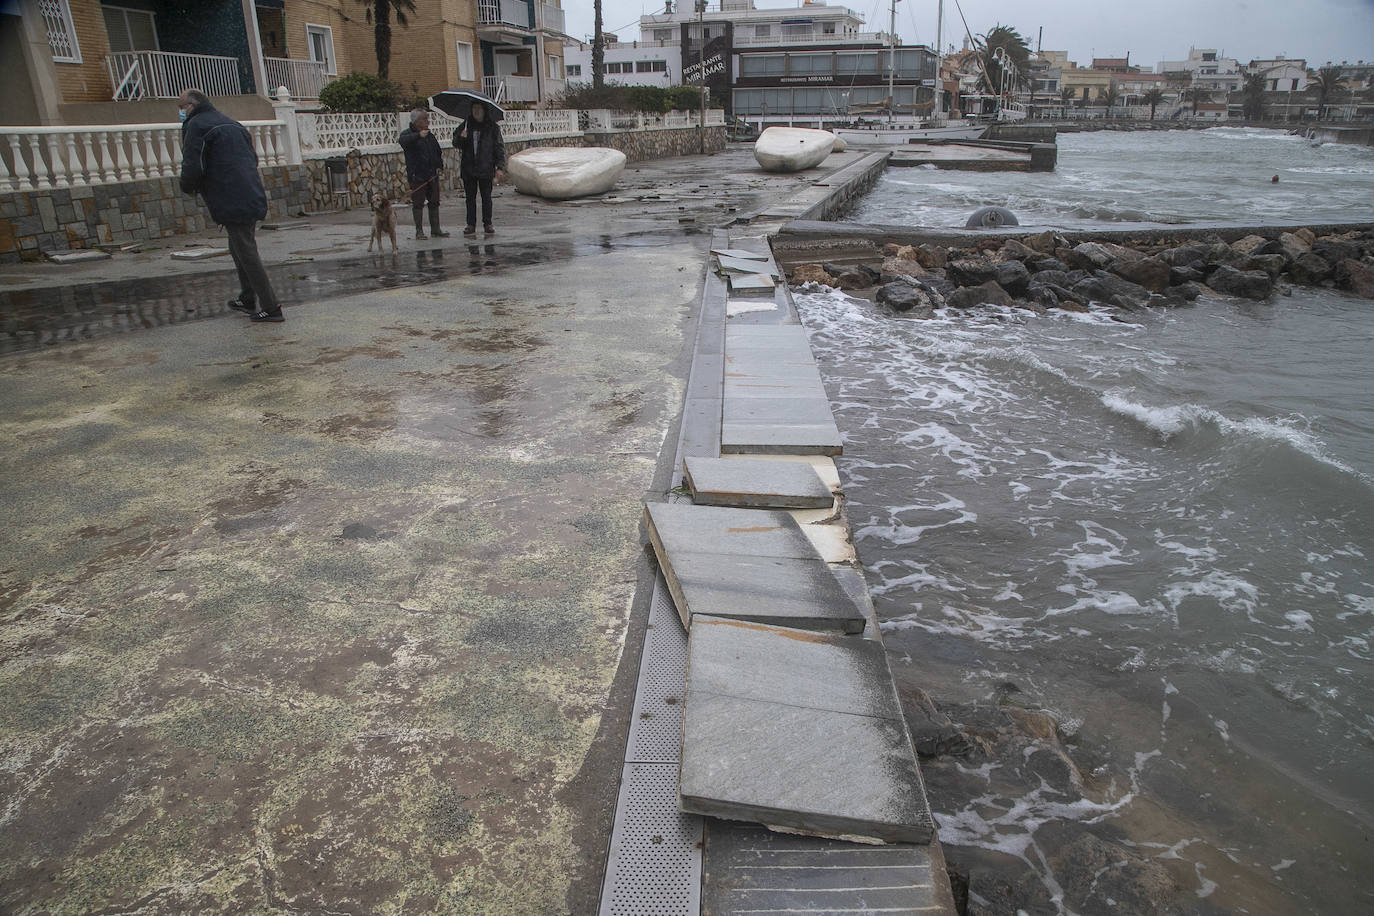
(327, 616)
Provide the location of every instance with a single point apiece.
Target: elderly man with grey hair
(424, 162)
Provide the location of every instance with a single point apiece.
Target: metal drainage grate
(656, 730)
(654, 866)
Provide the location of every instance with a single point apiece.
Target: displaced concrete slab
(76, 257)
(786, 592)
(751, 282)
(759, 439)
(740, 482)
(736, 307)
(774, 399)
(199, 254)
(749, 869)
(754, 750)
(684, 528)
(743, 265)
(778, 411)
(740, 253)
(705, 556)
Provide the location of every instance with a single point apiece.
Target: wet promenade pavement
(331, 616)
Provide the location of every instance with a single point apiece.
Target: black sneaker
(489, 229)
(267, 315)
(239, 305)
(438, 234)
(470, 232)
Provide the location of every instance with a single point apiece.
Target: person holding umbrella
(482, 159)
(424, 162)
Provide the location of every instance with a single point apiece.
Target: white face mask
(181, 113)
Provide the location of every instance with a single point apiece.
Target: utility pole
(939, 94)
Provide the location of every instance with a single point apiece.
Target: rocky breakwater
(1047, 271)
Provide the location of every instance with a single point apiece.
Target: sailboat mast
(891, 60)
(939, 59)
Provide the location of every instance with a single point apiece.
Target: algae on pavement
(323, 616)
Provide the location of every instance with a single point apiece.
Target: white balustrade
(166, 74)
(302, 78)
(33, 158)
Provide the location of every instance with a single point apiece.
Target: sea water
(1160, 528)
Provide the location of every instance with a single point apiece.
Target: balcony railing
(75, 156)
(504, 12)
(817, 38)
(518, 88)
(302, 78)
(550, 18)
(165, 74)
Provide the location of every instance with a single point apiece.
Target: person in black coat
(482, 159)
(218, 163)
(424, 162)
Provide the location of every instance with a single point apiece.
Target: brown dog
(383, 221)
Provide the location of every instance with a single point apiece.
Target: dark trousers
(427, 193)
(471, 185)
(254, 287)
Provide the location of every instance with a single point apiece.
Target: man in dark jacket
(424, 162)
(482, 158)
(219, 164)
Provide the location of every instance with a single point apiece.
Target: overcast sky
(1318, 30)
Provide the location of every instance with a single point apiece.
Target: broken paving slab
(199, 254)
(751, 283)
(744, 265)
(749, 564)
(76, 257)
(749, 869)
(756, 484)
(740, 253)
(829, 758)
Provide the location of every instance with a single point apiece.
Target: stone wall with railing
(65, 188)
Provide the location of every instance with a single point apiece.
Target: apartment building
(795, 64)
(84, 61)
(1208, 69)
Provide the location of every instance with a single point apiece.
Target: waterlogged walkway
(329, 616)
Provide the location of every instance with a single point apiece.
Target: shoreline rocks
(1046, 271)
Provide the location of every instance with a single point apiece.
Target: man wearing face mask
(218, 163)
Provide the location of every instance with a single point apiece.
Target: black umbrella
(458, 102)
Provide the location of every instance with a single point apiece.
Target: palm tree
(1015, 49)
(1066, 96)
(1252, 94)
(598, 48)
(1196, 94)
(1330, 85)
(1153, 97)
(379, 14)
(1111, 95)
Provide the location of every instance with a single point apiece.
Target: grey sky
(1152, 30)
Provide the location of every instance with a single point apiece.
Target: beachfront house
(87, 62)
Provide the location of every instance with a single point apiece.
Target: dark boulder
(1013, 277)
(1184, 292)
(1057, 277)
(1186, 254)
(1151, 273)
(1112, 290)
(1187, 274)
(1271, 247)
(1249, 284)
(984, 294)
(1042, 297)
(971, 271)
(1310, 269)
(1043, 264)
(1062, 294)
(1356, 276)
(1089, 256)
(1013, 250)
(1272, 264)
(852, 276)
(911, 298)
(1334, 251)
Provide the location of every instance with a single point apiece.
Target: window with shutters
(130, 30)
(57, 18)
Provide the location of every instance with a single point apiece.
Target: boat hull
(564, 172)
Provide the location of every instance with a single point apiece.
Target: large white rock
(561, 172)
(791, 149)
(840, 145)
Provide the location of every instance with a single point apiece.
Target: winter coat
(219, 164)
(424, 159)
(482, 158)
